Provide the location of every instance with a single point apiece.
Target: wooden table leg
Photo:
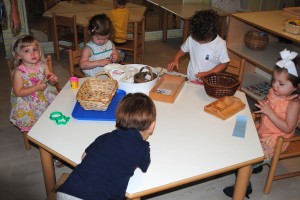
(242, 182)
(135, 42)
(48, 170)
(165, 25)
(185, 32)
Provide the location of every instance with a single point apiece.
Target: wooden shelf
(271, 22)
(254, 79)
(263, 59)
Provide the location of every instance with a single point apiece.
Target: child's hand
(104, 62)
(41, 85)
(171, 65)
(264, 107)
(201, 74)
(52, 78)
(114, 57)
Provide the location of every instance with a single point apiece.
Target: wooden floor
(21, 175)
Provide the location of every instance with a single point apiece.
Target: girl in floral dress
(33, 84)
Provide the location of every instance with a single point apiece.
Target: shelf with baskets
(260, 63)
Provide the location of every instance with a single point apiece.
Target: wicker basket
(96, 94)
(291, 28)
(141, 77)
(218, 85)
(257, 40)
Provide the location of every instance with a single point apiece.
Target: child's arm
(174, 62)
(86, 64)
(286, 125)
(115, 56)
(83, 155)
(218, 68)
(20, 90)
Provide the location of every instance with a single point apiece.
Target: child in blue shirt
(110, 161)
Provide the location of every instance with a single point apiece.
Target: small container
(74, 82)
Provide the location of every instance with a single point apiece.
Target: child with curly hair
(208, 51)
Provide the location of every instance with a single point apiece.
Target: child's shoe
(230, 190)
(58, 163)
(257, 170)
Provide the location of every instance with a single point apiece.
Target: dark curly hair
(205, 25)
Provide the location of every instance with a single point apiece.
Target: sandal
(58, 163)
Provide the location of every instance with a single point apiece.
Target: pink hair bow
(287, 63)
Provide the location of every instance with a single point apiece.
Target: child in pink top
(279, 112)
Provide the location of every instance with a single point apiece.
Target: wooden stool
(60, 181)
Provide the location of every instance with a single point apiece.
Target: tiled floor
(21, 176)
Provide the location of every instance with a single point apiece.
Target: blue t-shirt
(109, 163)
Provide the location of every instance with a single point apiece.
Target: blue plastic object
(94, 115)
(240, 126)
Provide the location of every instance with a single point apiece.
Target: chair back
(236, 67)
(65, 30)
(292, 151)
(135, 41)
(74, 60)
(48, 4)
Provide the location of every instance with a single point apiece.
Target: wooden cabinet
(260, 63)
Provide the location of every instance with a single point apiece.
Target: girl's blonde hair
(20, 43)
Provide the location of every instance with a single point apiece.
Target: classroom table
(84, 12)
(185, 11)
(187, 145)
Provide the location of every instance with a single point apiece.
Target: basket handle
(150, 71)
(104, 73)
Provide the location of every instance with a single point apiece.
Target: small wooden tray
(225, 107)
(167, 88)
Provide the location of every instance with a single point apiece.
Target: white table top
(187, 142)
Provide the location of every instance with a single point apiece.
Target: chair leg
(26, 142)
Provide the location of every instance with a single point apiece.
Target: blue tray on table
(95, 115)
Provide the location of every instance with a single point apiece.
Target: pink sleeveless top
(268, 132)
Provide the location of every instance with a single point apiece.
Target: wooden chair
(236, 67)
(74, 59)
(48, 4)
(135, 44)
(64, 33)
(292, 151)
(10, 70)
(61, 180)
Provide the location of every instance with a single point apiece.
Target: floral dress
(26, 110)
